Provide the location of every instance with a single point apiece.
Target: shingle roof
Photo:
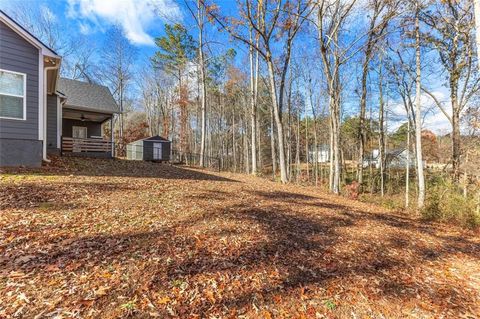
(155, 138)
(87, 96)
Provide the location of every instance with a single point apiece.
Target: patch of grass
(179, 283)
(330, 304)
(392, 202)
(129, 306)
(45, 205)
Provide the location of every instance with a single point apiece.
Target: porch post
(112, 138)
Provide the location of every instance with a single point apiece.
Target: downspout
(45, 106)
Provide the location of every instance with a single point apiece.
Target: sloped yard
(107, 239)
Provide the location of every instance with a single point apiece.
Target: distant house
(155, 148)
(321, 154)
(41, 113)
(394, 159)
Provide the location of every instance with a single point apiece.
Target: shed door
(157, 151)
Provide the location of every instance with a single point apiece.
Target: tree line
(306, 90)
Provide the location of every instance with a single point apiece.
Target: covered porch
(82, 133)
(88, 112)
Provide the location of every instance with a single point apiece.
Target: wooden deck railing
(78, 145)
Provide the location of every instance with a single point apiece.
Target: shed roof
(87, 96)
(155, 138)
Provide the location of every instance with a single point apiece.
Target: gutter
(45, 84)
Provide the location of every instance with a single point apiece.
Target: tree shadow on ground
(265, 255)
(118, 168)
(54, 194)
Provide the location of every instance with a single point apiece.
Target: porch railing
(78, 145)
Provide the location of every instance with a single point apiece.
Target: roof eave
(44, 50)
(86, 108)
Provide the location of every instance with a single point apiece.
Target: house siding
(19, 143)
(17, 55)
(93, 128)
(52, 122)
(18, 152)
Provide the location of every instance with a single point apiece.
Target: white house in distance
(323, 154)
(395, 158)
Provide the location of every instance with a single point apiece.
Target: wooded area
(324, 163)
(329, 93)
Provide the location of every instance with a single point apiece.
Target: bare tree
(116, 70)
(418, 114)
(199, 18)
(381, 14)
(476, 4)
(450, 33)
(276, 21)
(77, 54)
(254, 67)
(331, 18)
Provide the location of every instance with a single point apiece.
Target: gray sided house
(394, 159)
(41, 113)
(87, 107)
(154, 148)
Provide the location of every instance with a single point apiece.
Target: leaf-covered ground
(106, 239)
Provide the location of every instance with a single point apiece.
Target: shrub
(352, 190)
(445, 202)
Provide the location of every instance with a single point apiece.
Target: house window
(79, 132)
(13, 95)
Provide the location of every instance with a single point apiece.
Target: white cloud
(134, 16)
(47, 14)
(433, 118)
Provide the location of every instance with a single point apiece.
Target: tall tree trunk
(260, 149)
(289, 132)
(315, 139)
(278, 122)
(456, 140)
(336, 145)
(307, 155)
(476, 3)
(234, 154)
(297, 151)
(363, 106)
(407, 170)
(418, 114)
(253, 108)
(382, 133)
(331, 150)
(272, 143)
(245, 149)
(204, 85)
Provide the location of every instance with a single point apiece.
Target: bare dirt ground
(107, 239)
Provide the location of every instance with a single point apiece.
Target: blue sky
(143, 20)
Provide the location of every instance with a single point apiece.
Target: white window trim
(24, 75)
